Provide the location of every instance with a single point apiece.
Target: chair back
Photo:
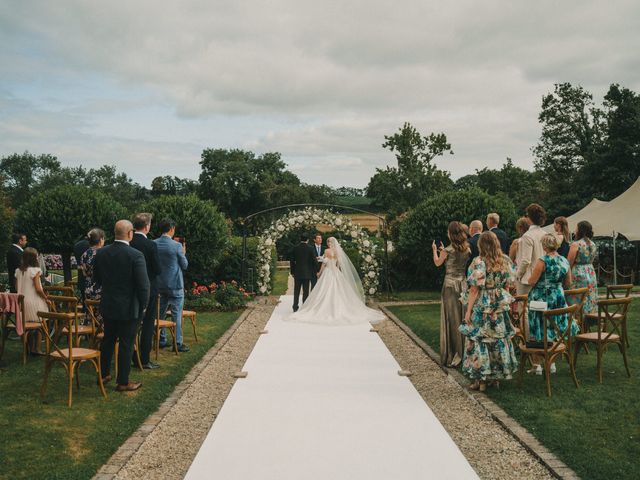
(562, 336)
(612, 317)
(581, 294)
(60, 290)
(518, 313)
(619, 291)
(68, 305)
(53, 324)
(92, 308)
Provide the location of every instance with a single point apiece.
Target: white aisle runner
(325, 403)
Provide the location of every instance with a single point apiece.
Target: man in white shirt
(530, 247)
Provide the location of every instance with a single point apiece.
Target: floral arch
(310, 217)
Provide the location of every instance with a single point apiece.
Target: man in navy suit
(475, 229)
(493, 220)
(122, 272)
(170, 281)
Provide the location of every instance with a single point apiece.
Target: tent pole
(615, 260)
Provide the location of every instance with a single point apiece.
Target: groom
(303, 268)
(318, 251)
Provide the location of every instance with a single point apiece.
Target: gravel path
(169, 449)
(491, 451)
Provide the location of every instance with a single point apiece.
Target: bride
(338, 297)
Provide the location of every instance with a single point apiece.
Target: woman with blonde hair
(489, 354)
(561, 227)
(455, 257)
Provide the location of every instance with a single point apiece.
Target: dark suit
(14, 258)
(122, 272)
(149, 249)
(502, 237)
(473, 245)
(78, 249)
(304, 267)
(318, 251)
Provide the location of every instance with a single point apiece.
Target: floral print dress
(584, 275)
(549, 289)
(489, 352)
(92, 289)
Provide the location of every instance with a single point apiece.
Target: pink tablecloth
(9, 303)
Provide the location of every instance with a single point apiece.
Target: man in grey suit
(122, 272)
(170, 281)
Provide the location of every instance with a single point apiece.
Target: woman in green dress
(455, 258)
(550, 273)
(582, 253)
(489, 354)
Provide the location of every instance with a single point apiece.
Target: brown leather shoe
(129, 387)
(105, 380)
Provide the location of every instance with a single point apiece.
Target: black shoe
(295, 309)
(182, 348)
(150, 366)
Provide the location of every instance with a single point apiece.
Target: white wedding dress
(338, 298)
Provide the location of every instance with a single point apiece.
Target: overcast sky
(146, 85)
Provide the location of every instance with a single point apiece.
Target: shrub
(216, 296)
(230, 266)
(203, 227)
(413, 263)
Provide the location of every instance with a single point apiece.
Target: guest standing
(489, 354)
(149, 248)
(79, 248)
(92, 289)
(28, 283)
(530, 247)
(475, 229)
(522, 225)
(170, 281)
(122, 273)
(550, 273)
(561, 227)
(14, 258)
(582, 253)
(455, 257)
(493, 222)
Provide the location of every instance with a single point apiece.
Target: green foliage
(230, 266)
(22, 172)
(396, 189)
(168, 185)
(413, 264)
(55, 219)
(203, 227)
(6, 226)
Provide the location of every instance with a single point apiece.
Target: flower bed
(223, 296)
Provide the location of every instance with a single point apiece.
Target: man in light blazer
(530, 247)
(173, 262)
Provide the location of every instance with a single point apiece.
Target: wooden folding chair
(551, 350)
(29, 328)
(70, 357)
(160, 323)
(191, 315)
(613, 291)
(611, 330)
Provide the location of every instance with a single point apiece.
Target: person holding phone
(455, 258)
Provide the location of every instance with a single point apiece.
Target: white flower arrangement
(311, 217)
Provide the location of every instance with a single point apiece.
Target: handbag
(540, 305)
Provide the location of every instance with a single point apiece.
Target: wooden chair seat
(77, 354)
(165, 323)
(593, 337)
(31, 325)
(556, 347)
(191, 315)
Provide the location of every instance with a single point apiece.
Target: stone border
(124, 453)
(557, 468)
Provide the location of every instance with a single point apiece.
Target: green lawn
(594, 429)
(409, 295)
(280, 281)
(56, 442)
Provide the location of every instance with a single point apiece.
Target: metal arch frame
(247, 220)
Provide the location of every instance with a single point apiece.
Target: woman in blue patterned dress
(582, 254)
(489, 353)
(550, 273)
(92, 289)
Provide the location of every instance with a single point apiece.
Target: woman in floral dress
(582, 254)
(550, 273)
(489, 353)
(92, 289)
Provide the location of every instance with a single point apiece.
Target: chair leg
(547, 374)
(136, 351)
(25, 346)
(623, 350)
(175, 339)
(157, 341)
(78, 375)
(599, 362)
(572, 369)
(70, 374)
(47, 371)
(193, 324)
(5, 332)
(96, 364)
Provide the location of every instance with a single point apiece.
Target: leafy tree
(168, 185)
(416, 177)
(413, 265)
(22, 172)
(571, 135)
(6, 225)
(55, 219)
(203, 227)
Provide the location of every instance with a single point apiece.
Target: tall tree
(571, 135)
(22, 172)
(416, 176)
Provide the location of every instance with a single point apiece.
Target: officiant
(318, 251)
